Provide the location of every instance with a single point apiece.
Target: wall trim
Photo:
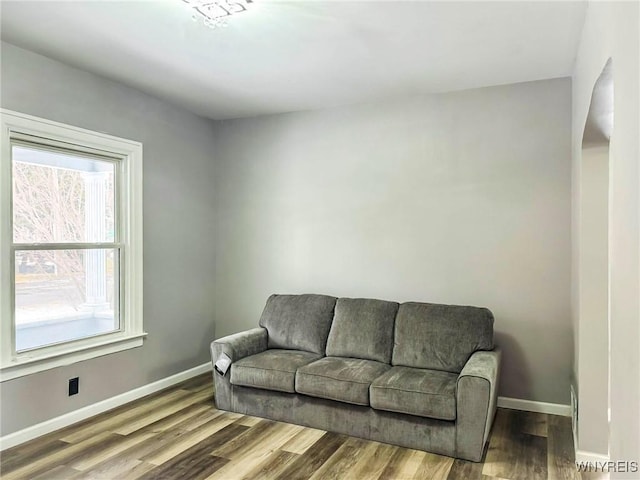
(533, 406)
(53, 424)
(583, 456)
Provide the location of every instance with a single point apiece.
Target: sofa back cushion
(362, 328)
(440, 337)
(298, 322)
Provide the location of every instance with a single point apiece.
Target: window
(70, 244)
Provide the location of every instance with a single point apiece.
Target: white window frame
(131, 332)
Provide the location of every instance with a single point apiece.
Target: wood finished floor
(179, 434)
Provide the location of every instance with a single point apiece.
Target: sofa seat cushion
(272, 369)
(341, 379)
(416, 391)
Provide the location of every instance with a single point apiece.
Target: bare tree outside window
(62, 199)
(71, 280)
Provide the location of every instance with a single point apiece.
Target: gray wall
(460, 198)
(178, 232)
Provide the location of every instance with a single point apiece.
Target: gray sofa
(417, 375)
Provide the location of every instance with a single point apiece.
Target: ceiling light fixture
(215, 13)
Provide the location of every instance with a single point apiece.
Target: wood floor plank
(159, 413)
(195, 436)
(195, 461)
(534, 424)
(108, 450)
(137, 472)
(90, 455)
(191, 422)
(30, 449)
(111, 422)
(372, 462)
(193, 464)
(149, 401)
(435, 467)
(403, 466)
(198, 383)
(113, 468)
(303, 440)
(531, 463)
(240, 468)
(249, 452)
(61, 457)
(181, 461)
(560, 455)
(342, 460)
(463, 470)
(513, 454)
(176, 420)
(394, 466)
(60, 472)
(250, 436)
(501, 452)
(10, 462)
(307, 463)
(272, 466)
(265, 436)
(162, 438)
(249, 421)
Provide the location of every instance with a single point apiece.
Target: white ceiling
(300, 55)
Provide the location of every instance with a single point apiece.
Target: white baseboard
(591, 457)
(532, 406)
(48, 426)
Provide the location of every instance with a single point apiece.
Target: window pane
(61, 197)
(64, 295)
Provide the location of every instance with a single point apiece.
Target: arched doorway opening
(594, 272)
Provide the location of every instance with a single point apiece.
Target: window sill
(27, 366)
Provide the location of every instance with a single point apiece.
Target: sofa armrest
(476, 399)
(236, 346)
(240, 345)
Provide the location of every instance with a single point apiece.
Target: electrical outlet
(74, 386)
